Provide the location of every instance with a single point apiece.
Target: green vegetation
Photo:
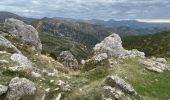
(153, 45)
(55, 45)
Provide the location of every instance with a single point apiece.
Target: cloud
(90, 9)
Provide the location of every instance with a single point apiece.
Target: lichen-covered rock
(68, 59)
(112, 46)
(21, 59)
(155, 64)
(3, 89)
(4, 42)
(116, 82)
(19, 87)
(26, 32)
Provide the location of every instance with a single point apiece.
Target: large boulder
(112, 46)
(68, 59)
(155, 64)
(7, 44)
(24, 63)
(21, 59)
(26, 32)
(19, 87)
(3, 89)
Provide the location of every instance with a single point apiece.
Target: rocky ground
(110, 73)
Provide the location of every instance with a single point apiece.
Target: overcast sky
(89, 9)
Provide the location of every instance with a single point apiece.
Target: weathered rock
(19, 87)
(68, 59)
(4, 42)
(112, 46)
(100, 57)
(21, 59)
(116, 82)
(26, 32)
(155, 64)
(110, 92)
(3, 89)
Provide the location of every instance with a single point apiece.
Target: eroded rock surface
(21, 59)
(19, 87)
(112, 46)
(117, 88)
(155, 64)
(4, 42)
(68, 59)
(26, 32)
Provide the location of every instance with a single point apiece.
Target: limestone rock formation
(3, 89)
(19, 87)
(115, 81)
(155, 64)
(100, 57)
(26, 32)
(68, 59)
(112, 46)
(4, 42)
(21, 59)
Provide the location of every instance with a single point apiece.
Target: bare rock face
(25, 64)
(19, 87)
(4, 42)
(117, 88)
(100, 57)
(112, 46)
(155, 64)
(115, 81)
(68, 59)
(26, 32)
(3, 89)
(21, 59)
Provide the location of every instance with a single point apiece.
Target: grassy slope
(153, 45)
(55, 45)
(150, 85)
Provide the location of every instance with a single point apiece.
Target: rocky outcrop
(155, 64)
(21, 59)
(26, 32)
(112, 46)
(115, 81)
(117, 88)
(68, 59)
(3, 89)
(19, 87)
(7, 44)
(100, 57)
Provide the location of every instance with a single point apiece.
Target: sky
(90, 9)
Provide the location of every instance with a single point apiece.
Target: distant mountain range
(88, 32)
(128, 23)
